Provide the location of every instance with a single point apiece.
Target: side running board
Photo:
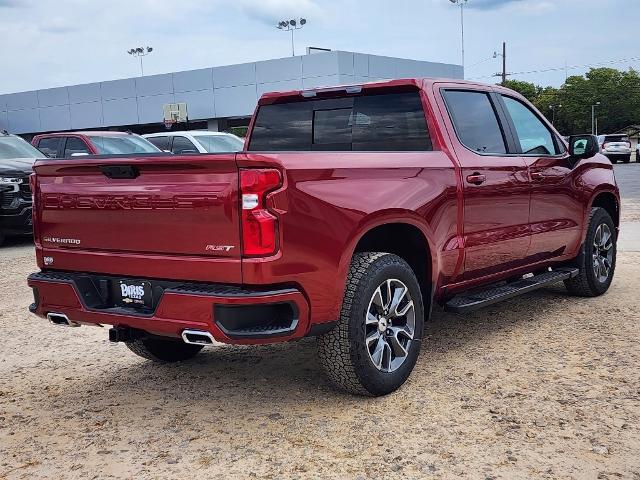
(474, 300)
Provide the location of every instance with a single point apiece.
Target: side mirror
(189, 150)
(80, 154)
(583, 146)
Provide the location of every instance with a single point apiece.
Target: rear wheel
(376, 343)
(597, 261)
(163, 350)
(627, 159)
(1, 238)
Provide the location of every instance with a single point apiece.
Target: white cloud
(272, 11)
(58, 25)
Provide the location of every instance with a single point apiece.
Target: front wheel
(376, 343)
(597, 260)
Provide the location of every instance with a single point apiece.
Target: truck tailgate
(157, 205)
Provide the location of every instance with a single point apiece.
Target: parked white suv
(615, 147)
(196, 141)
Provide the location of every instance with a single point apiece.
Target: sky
(50, 43)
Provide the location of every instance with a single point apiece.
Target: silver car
(615, 147)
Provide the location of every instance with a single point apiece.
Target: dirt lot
(545, 386)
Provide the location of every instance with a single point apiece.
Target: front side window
(475, 121)
(122, 144)
(75, 146)
(534, 136)
(381, 122)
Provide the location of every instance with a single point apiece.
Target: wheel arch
(610, 202)
(405, 237)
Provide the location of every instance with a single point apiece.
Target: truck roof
(272, 97)
(104, 133)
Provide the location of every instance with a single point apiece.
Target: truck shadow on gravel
(289, 373)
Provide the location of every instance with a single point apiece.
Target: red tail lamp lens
(259, 225)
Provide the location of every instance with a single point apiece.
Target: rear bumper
(231, 314)
(617, 155)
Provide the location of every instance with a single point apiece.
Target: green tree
(528, 90)
(618, 93)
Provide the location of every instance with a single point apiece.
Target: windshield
(114, 145)
(15, 147)
(220, 143)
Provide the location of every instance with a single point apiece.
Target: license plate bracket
(132, 294)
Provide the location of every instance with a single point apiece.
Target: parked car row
(16, 161)
(17, 157)
(76, 144)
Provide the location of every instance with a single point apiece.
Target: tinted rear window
(616, 138)
(384, 122)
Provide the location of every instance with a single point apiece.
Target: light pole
(593, 117)
(140, 52)
(292, 26)
(553, 113)
(504, 63)
(462, 3)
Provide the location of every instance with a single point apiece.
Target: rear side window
(182, 145)
(383, 122)
(75, 145)
(49, 146)
(161, 142)
(475, 121)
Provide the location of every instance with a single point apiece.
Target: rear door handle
(476, 178)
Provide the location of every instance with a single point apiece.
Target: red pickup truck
(350, 213)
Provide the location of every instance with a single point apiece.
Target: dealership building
(217, 98)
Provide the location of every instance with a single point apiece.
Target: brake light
(259, 225)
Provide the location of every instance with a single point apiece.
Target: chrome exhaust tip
(61, 320)
(199, 337)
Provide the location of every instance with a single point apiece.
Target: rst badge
(219, 248)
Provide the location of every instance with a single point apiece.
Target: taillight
(259, 225)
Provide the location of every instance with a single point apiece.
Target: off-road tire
(161, 350)
(586, 284)
(342, 351)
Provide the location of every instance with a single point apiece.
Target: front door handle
(476, 178)
(537, 176)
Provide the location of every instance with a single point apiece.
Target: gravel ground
(544, 386)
